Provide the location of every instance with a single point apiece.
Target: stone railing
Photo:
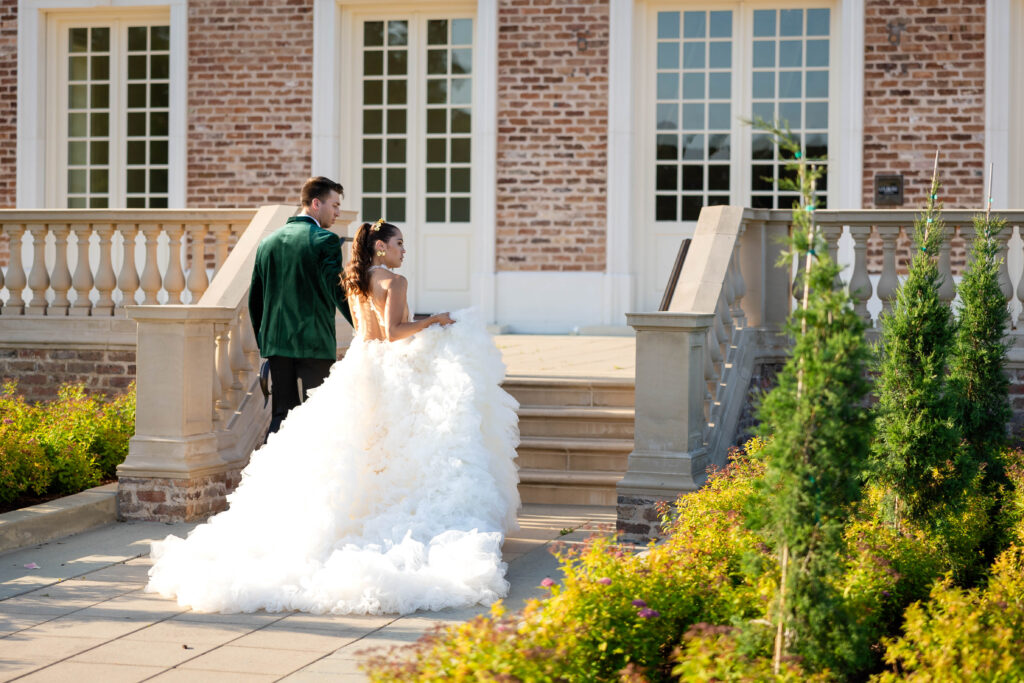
(94, 262)
(724, 326)
(200, 412)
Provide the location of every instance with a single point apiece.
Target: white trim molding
(35, 90)
(1002, 74)
(849, 144)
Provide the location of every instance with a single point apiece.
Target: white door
(413, 107)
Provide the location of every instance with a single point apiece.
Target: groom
(295, 289)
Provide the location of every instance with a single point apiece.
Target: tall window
(417, 119)
(714, 67)
(114, 91)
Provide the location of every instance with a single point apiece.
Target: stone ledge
(61, 517)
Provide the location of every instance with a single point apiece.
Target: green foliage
(615, 612)
(917, 454)
(821, 434)
(965, 635)
(61, 446)
(715, 654)
(978, 383)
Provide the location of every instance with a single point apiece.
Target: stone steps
(576, 437)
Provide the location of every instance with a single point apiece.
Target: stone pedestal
(174, 470)
(668, 455)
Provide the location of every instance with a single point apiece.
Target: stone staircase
(576, 436)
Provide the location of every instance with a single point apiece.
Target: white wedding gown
(389, 490)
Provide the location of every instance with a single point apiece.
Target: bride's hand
(443, 319)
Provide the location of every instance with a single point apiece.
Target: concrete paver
(86, 617)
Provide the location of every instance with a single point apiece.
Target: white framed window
(704, 67)
(102, 103)
(113, 95)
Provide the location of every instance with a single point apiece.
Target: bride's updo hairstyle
(356, 277)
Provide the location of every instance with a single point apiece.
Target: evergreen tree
(979, 384)
(820, 436)
(916, 454)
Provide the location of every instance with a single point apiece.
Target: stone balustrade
(95, 262)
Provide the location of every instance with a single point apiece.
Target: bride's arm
(395, 326)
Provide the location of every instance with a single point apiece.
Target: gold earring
(382, 253)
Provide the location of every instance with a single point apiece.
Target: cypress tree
(980, 387)
(916, 454)
(820, 436)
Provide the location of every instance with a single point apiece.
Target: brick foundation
(174, 500)
(638, 519)
(41, 372)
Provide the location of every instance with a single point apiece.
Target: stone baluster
(1003, 238)
(224, 376)
(947, 288)
(236, 357)
(739, 286)
(860, 283)
(174, 276)
(38, 277)
(220, 245)
(888, 282)
(106, 281)
(197, 278)
(249, 345)
(16, 280)
(832, 233)
(151, 280)
(60, 279)
(82, 280)
(128, 279)
(218, 395)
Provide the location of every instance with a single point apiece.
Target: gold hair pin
(376, 226)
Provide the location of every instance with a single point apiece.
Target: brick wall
(924, 87)
(250, 117)
(41, 372)
(552, 134)
(8, 105)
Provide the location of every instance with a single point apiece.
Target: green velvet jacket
(295, 289)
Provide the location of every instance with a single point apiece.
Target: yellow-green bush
(614, 610)
(61, 446)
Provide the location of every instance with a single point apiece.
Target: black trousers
(285, 374)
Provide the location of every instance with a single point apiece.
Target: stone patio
(83, 615)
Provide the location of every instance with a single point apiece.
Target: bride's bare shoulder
(389, 280)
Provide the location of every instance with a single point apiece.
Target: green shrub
(61, 446)
(714, 653)
(965, 635)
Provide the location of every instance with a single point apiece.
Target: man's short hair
(318, 188)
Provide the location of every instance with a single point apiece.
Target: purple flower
(885, 593)
(547, 583)
(639, 603)
(604, 581)
(648, 613)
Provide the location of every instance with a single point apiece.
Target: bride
(389, 490)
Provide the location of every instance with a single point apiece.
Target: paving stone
(17, 650)
(12, 623)
(207, 676)
(76, 626)
(333, 666)
(341, 624)
(252, 660)
(143, 652)
(122, 573)
(190, 632)
(254, 619)
(283, 638)
(62, 672)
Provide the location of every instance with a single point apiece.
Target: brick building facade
(568, 100)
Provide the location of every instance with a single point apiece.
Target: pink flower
(648, 613)
(547, 583)
(604, 581)
(639, 603)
